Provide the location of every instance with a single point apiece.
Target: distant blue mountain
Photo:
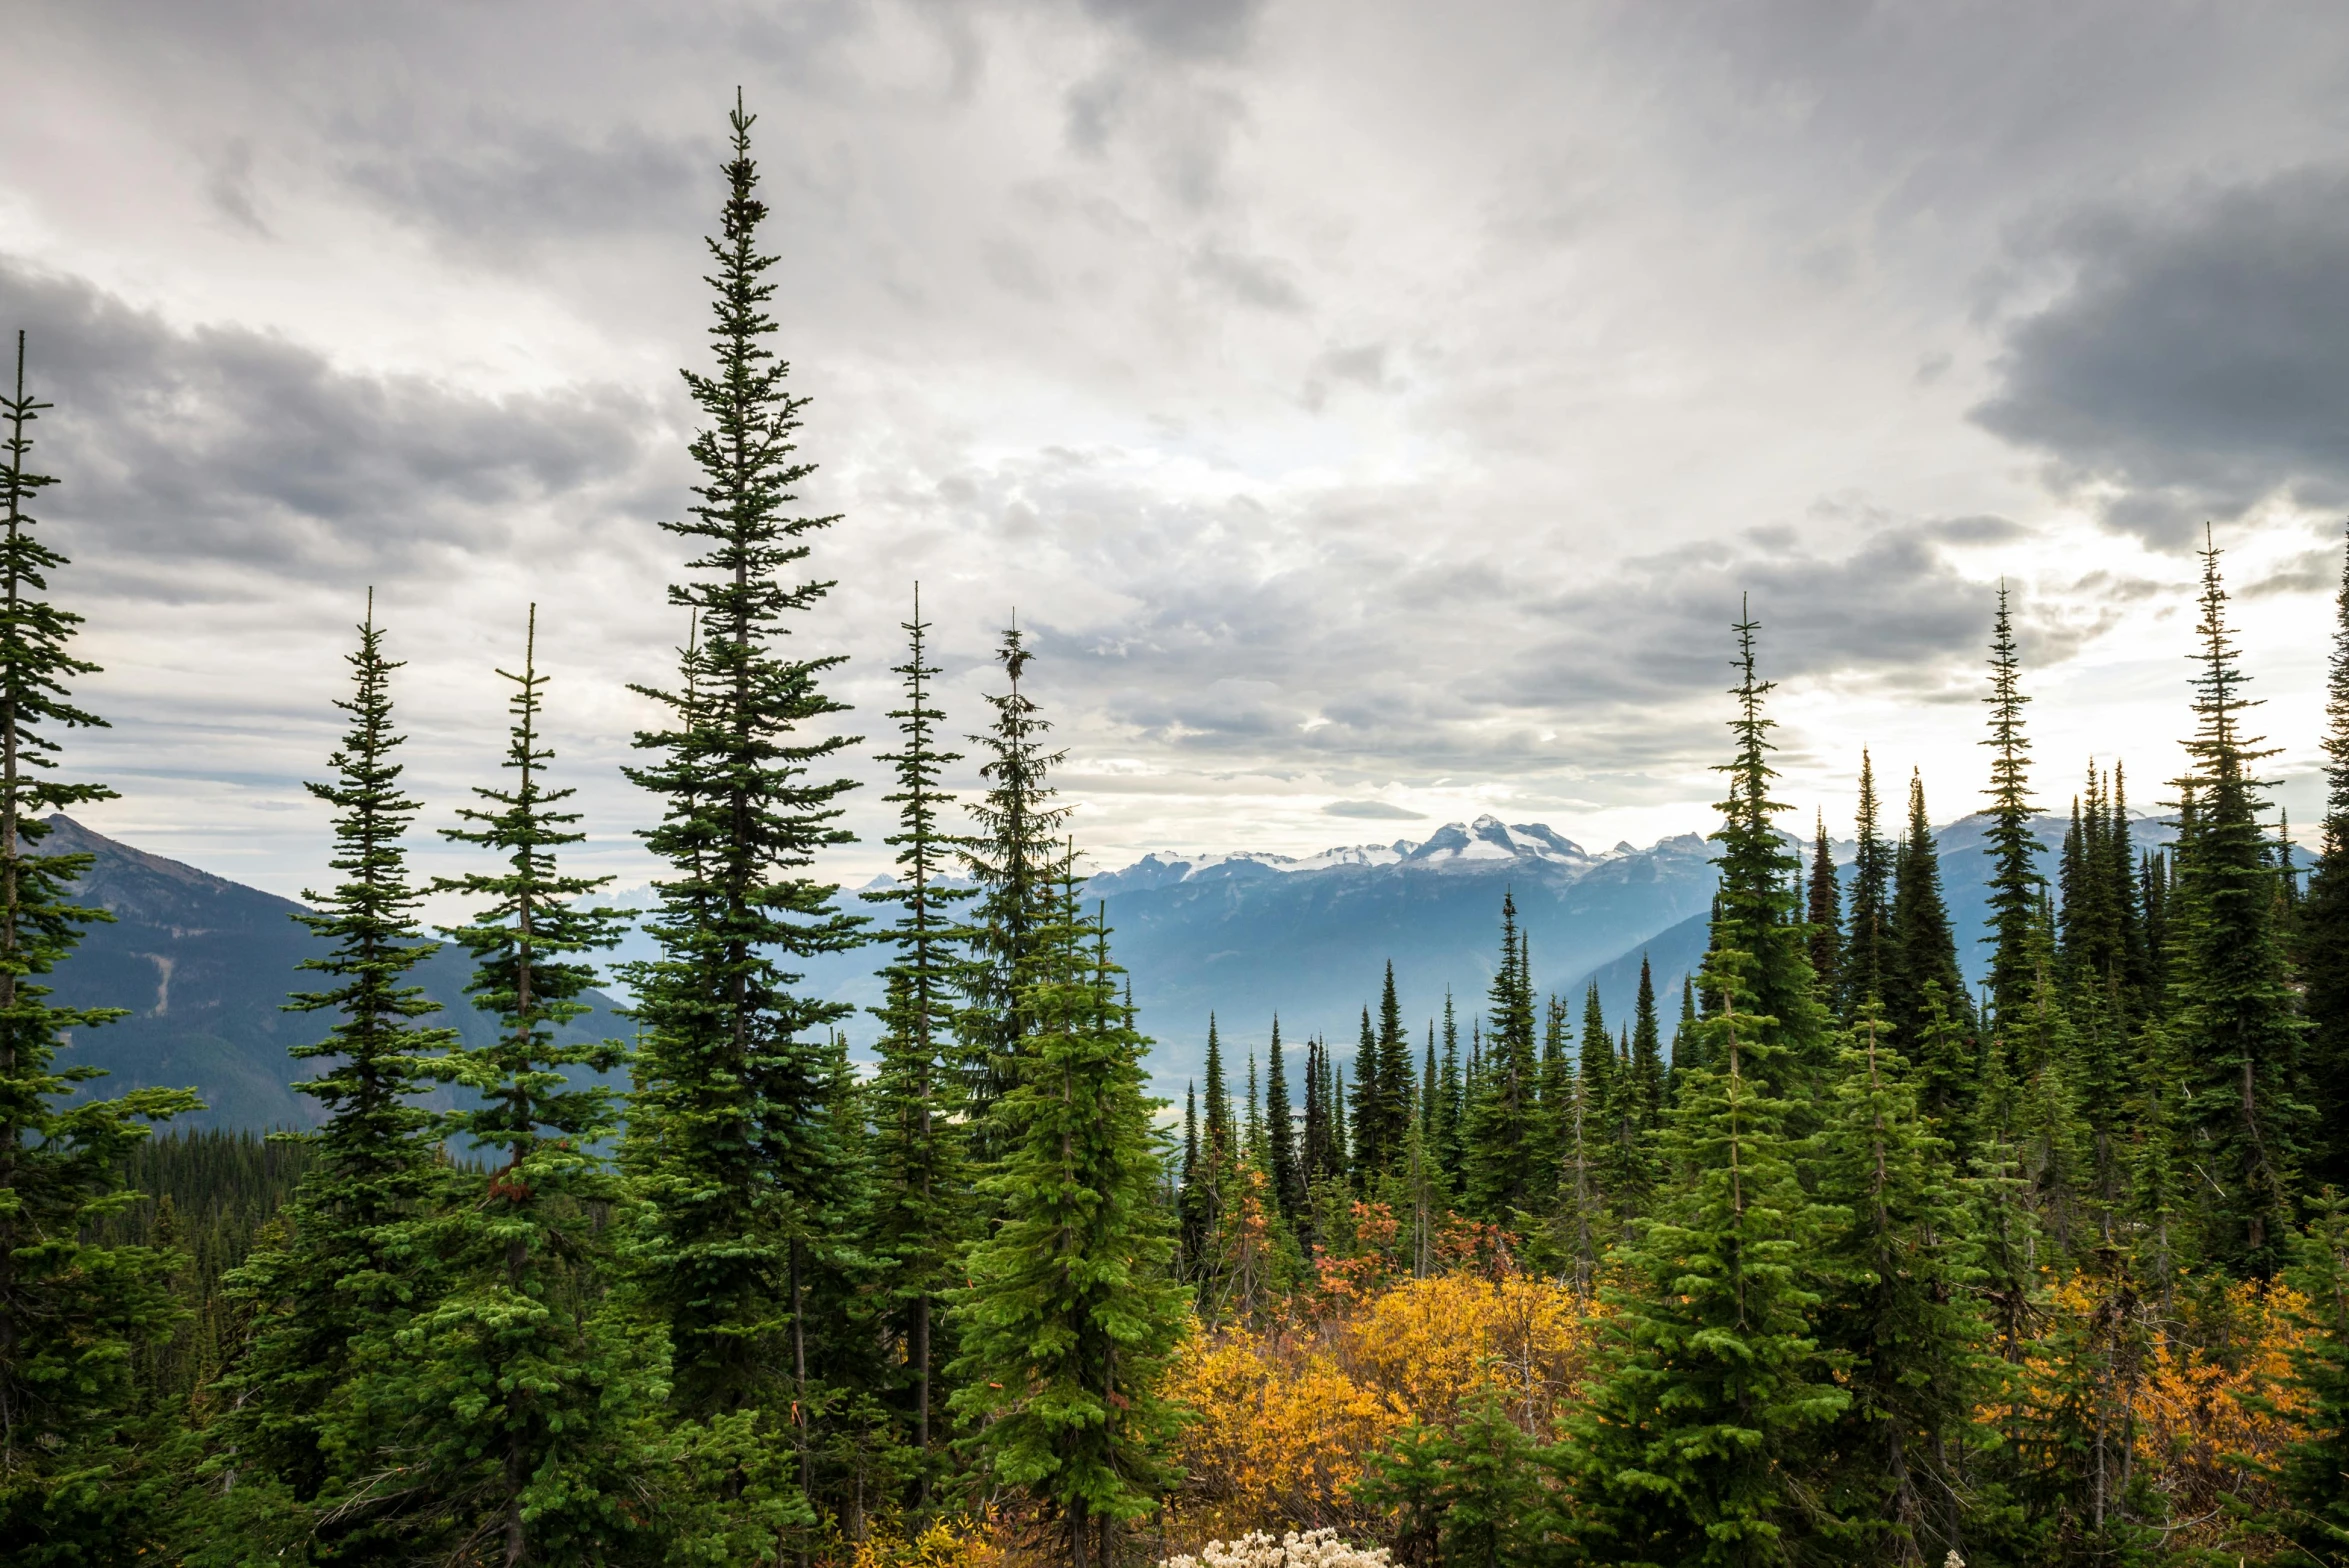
(204, 963)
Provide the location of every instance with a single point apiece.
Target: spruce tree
(1397, 1103)
(1507, 1171)
(1869, 934)
(1646, 1079)
(343, 1279)
(921, 1170)
(2322, 930)
(2317, 1517)
(1898, 1315)
(1714, 1373)
(1069, 1318)
(2014, 851)
(1011, 859)
(1601, 1097)
(1824, 911)
(75, 1309)
(517, 1404)
(1372, 1153)
(1756, 909)
(1282, 1163)
(1450, 1111)
(733, 1134)
(1921, 968)
(2237, 1007)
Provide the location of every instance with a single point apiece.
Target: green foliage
(921, 1213)
(2237, 1014)
(1069, 1316)
(2014, 852)
(76, 1311)
(1505, 1149)
(1470, 1495)
(341, 1280)
(517, 1403)
(1714, 1370)
(1012, 858)
(731, 1138)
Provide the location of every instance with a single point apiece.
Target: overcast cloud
(1377, 412)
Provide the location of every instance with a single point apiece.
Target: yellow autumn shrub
(1286, 1416)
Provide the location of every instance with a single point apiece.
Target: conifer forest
(1825, 1256)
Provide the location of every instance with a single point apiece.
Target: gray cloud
(1372, 811)
(2195, 359)
(223, 447)
(503, 188)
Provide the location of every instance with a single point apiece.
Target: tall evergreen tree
(1372, 1150)
(1450, 1112)
(1507, 1171)
(1646, 1059)
(340, 1281)
(1922, 971)
(1714, 1372)
(1868, 937)
(1397, 1101)
(921, 1169)
(1756, 911)
(1897, 1317)
(1283, 1164)
(733, 1134)
(1069, 1319)
(2322, 931)
(1823, 909)
(1012, 860)
(74, 1309)
(517, 1405)
(2014, 850)
(2238, 1015)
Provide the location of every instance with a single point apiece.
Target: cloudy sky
(1375, 409)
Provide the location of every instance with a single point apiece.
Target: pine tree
(75, 1310)
(1069, 1319)
(733, 1131)
(1450, 1111)
(1824, 912)
(1370, 1123)
(1506, 1169)
(517, 1404)
(921, 1162)
(2322, 936)
(1714, 1372)
(340, 1282)
(1922, 965)
(1011, 860)
(1191, 1202)
(2238, 1020)
(1646, 1081)
(2311, 1469)
(1869, 936)
(1756, 907)
(1282, 1163)
(1601, 1097)
(2014, 851)
(1897, 1315)
(1397, 1104)
(1687, 1048)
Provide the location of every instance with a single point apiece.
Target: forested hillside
(1825, 1255)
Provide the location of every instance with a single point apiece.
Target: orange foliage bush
(2196, 1418)
(1287, 1416)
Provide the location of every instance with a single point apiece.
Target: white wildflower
(1313, 1549)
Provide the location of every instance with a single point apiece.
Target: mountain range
(203, 964)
